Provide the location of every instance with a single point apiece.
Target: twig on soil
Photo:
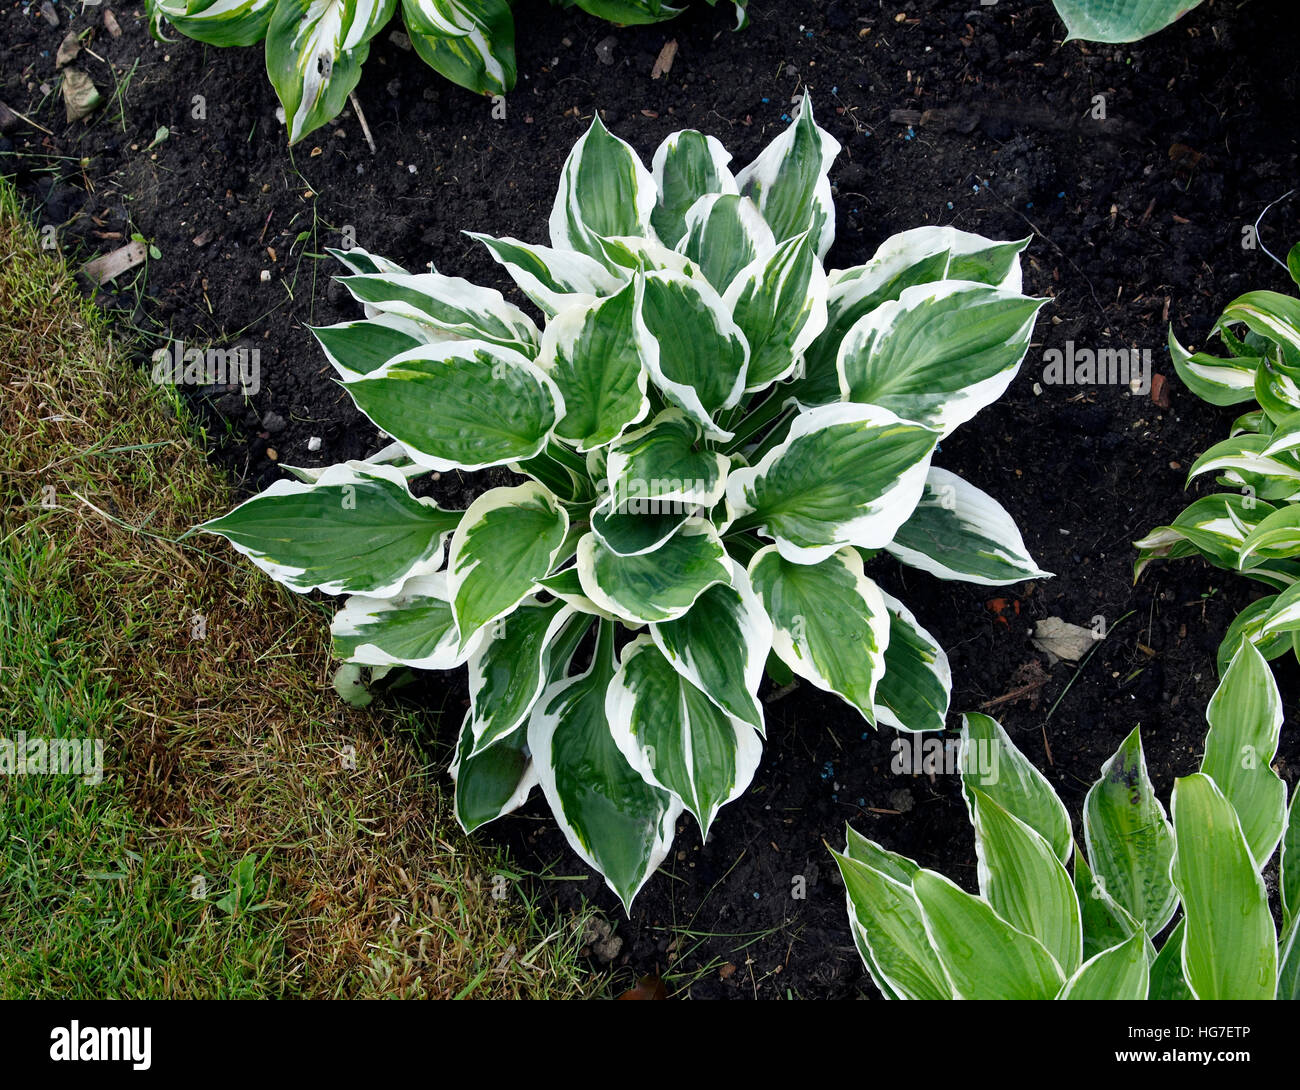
(365, 129)
(1014, 694)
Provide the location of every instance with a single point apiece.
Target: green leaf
(1289, 864)
(593, 355)
(985, 957)
(621, 825)
(241, 22)
(1122, 972)
(915, 691)
(1218, 381)
(1129, 839)
(829, 622)
(676, 737)
(470, 42)
(356, 530)
(725, 232)
(492, 782)
(413, 628)
(507, 540)
(939, 353)
(845, 475)
(1105, 923)
(494, 406)
(959, 531)
(1119, 20)
(660, 468)
(1167, 980)
(687, 166)
(1230, 946)
(358, 348)
(1288, 968)
(656, 586)
(629, 12)
(1249, 625)
(550, 277)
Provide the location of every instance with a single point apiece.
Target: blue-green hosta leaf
(1167, 981)
(655, 586)
(845, 475)
(917, 686)
(720, 645)
(1289, 864)
(1130, 841)
(358, 348)
(1122, 972)
(593, 355)
(790, 183)
(959, 531)
(991, 763)
(830, 624)
(492, 782)
(314, 53)
(621, 825)
(687, 166)
(1025, 882)
(888, 927)
(725, 232)
(1119, 20)
(1106, 924)
(694, 351)
(355, 530)
(938, 353)
(448, 304)
(676, 737)
(470, 42)
(507, 540)
(494, 406)
(413, 628)
(661, 462)
(508, 668)
(605, 190)
(1245, 717)
(214, 22)
(984, 956)
(779, 302)
(640, 527)
(1218, 381)
(549, 276)
(1229, 944)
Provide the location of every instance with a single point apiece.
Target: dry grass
(219, 749)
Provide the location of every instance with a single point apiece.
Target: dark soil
(1137, 222)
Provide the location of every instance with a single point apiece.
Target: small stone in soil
(51, 16)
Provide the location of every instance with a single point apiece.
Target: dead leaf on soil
(68, 49)
(79, 94)
(1063, 640)
(648, 987)
(664, 63)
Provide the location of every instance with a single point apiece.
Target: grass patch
(251, 836)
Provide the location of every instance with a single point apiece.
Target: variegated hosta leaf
(656, 586)
(509, 667)
(1106, 923)
(695, 352)
(887, 922)
(1268, 314)
(939, 353)
(779, 302)
(660, 463)
(507, 540)
(1121, 972)
(1218, 381)
(725, 232)
(687, 166)
(1215, 526)
(1245, 717)
(984, 956)
(314, 53)
(1025, 882)
(1119, 20)
(845, 475)
(621, 825)
(363, 262)
(1276, 537)
(449, 304)
(638, 528)
(605, 190)
(593, 355)
(354, 531)
(917, 686)
(959, 531)
(676, 737)
(1167, 980)
(1130, 841)
(214, 22)
(1283, 616)
(1289, 864)
(991, 763)
(1245, 455)
(830, 624)
(1277, 388)
(1249, 625)
(1229, 943)
(720, 645)
(790, 183)
(494, 406)
(492, 782)
(471, 42)
(358, 348)
(413, 628)
(549, 276)
(567, 586)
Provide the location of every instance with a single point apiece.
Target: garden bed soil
(958, 113)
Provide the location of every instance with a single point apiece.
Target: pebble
(313, 444)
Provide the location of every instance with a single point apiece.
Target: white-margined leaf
(917, 686)
(1121, 972)
(1218, 381)
(358, 348)
(1289, 864)
(638, 528)
(687, 166)
(492, 782)
(1119, 20)
(567, 586)
(214, 22)
(1106, 923)
(725, 232)
(550, 277)
(661, 464)
(470, 42)
(412, 628)
(363, 262)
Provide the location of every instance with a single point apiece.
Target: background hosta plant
(315, 48)
(1255, 528)
(1120, 20)
(711, 433)
(1038, 930)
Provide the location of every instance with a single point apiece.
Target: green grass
(230, 850)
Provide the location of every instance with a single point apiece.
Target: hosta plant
(1254, 529)
(711, 435)
(1119, 20)
(315, 48)
(1057, 920)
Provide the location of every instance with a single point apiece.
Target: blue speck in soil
(785, 117)
(950, 206)
(1029, 204)
(862, 802)
(756, 895)
(766, 101)
(909, 135)
(834, 90)
(1061, 195)
(828, 770)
